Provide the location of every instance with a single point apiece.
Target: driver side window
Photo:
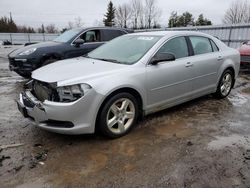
(91, 36)
(176, 46)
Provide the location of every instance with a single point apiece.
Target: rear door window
(201, 45)
(109, 34)
(214, 46)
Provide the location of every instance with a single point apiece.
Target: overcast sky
(60, 12)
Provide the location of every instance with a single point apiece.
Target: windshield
(67, 35)
(126, 49)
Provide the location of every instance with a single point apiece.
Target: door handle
(219, 58)
(189, 64)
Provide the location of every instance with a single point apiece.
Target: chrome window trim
(91, 30)
(173, 37)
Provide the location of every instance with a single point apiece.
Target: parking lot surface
(202, 143)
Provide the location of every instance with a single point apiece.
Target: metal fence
(22, 38)
(232, 35)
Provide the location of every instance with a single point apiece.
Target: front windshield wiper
(108, 60)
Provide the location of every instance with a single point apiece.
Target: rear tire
(118, 115)
(225, 84)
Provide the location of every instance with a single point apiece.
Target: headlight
(28, 52)
(72, 93)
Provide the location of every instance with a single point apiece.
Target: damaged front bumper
(76, 117)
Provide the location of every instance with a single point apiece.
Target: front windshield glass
(67, 35)
(126, 49)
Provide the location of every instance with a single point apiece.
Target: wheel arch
(129, 90)
(231, 68)
(50, 55)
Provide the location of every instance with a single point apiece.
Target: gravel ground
(202, 143)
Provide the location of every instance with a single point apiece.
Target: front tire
(225, 85)
(118, 115)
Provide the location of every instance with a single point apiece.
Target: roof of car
(111, 28)
(169, 33)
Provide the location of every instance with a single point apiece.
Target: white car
(131, 76)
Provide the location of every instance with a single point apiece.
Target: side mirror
(78, 42)
(160, 57)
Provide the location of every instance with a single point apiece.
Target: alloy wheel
(226, 84)
(120, 115)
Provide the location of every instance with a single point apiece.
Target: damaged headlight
(28, 52)
(73, 92)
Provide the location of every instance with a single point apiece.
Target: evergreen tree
(7, 25)
(109, 17)
(172, 22)
(202, 21)
(185, 20)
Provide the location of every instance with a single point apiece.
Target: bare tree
(51, 28)
(70, 25)
(238, 12)
(150, 11)
(119, 16)
(78, 22)
(123, 14)
(142, 18)
(98, 23)
(137, 9)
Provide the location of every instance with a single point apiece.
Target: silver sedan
(131, 76)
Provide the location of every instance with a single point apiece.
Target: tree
(172, 22)
(51, 28)
(110, 15)
(78, 22)
(137, 9)
(238, 12)
(70, 25)
(150, 11)
(202, 21)
(63, 30)
(8, 25)
(41, 29)
(142, 18)
(25, 29)
(123, 14)
(185, 20)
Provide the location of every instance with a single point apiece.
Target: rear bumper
(245, 65)
(245, 61)
(65, 118)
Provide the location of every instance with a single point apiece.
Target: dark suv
(72, 43)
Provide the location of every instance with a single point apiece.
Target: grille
(245, 58)
(12, 61)
(44, 91)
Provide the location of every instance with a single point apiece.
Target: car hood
(38, 45)
(77, 69)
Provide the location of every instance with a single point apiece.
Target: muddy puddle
(234, 140)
